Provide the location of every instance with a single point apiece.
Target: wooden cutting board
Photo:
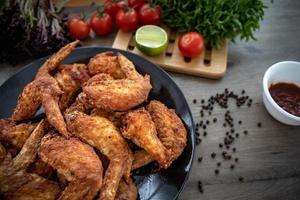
(211, 63)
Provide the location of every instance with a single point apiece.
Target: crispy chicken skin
(170, 128)
(70, 77)
(45, 90)
(31, 97)
(103, 135)
(140, 128)
(140, 159)
(16, 183)
(14, 136)
(118, 94)
(77, 161)
(106, 63)
(114, 117)
(52, 63)
(126, 191)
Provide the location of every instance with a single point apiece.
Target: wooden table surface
(269, 157)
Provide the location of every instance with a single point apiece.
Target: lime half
(151, 40)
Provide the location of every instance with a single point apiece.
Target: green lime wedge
(151, 40)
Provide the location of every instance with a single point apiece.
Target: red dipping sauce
(287, 96)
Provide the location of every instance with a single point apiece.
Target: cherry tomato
(78, 28)
(127, 20)
(72, 19)
(149, 15)
(136, 4)
(191, 44)
(113, 6)
(101, 23)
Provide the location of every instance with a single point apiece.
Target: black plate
(162, 185)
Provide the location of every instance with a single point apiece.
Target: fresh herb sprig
(216, 20)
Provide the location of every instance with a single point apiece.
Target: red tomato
(101, 23)
(113, 6)
(149, 15)
(127, 20)
(78, 28)
(136, 4)
(72, 19)
(191, 44)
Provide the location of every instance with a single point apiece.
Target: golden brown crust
(31, 97)
(170, 128)
(140, 159)
(117, 95)
(14, 136)
(114, 117)
(53, 113)
(102, 134)
(53, 62)
(15, 183)
(141, 130)
(77, 162)
(105, 63)
(70, 77)
(41, 168)
(126, 191)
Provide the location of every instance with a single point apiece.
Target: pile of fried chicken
(80, 150)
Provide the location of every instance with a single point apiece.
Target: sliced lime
(151, 40)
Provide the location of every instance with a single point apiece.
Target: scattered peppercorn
(215, 120)
(194, 101)
(216, 171)
(236, 160)
(204, 133)
(241, 179)
(218, 164)
(232, 166)
(213, 155)
(259, 124)
(200, 159)
(240, 122)
(245, 132)
(234, 149)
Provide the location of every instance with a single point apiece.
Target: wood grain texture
(211, 63)
(270, 155)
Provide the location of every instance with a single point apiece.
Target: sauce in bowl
(287, 96)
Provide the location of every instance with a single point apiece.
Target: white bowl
(287, 71)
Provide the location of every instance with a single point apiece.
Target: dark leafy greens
(216, 20)
(30, 29)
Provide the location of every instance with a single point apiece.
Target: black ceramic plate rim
(101, 49)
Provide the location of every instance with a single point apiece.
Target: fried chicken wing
(171, 131)
(77, 161)
(14, 136)
(53, 62)
(41, 168)
(140, 128)
(44, 91)
(105, 63)
(114, 117)
(102, 134)
(140, 159)
(118, 94)
(70, 77)
(126, 191)
(15, 183)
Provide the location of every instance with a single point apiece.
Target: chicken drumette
(103, 135)
(77, 162)
(15, 182)
(140, 128)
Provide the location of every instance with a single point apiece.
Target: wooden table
(269, 157)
